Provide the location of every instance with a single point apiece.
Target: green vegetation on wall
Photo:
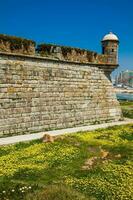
(16, 42)
(47, 49)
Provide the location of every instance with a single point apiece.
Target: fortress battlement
(12, 44)
(45, 87)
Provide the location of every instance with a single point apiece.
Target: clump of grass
(58, 192)
(16, 191)
(126, 103)
(127, 108)
(127, 113)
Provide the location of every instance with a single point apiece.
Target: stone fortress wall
(53, 87)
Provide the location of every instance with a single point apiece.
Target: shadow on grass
(58, 192)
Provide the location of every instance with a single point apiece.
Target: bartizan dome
(109, 37)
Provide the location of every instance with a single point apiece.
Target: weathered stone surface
(12, 44)
(39, 94)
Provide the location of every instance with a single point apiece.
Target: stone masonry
(39, 94)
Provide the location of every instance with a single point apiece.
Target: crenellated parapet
(71, 54)
(12, 44)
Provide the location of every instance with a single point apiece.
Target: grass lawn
(127, 108)
(81, 166)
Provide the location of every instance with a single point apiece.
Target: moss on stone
(16, 42)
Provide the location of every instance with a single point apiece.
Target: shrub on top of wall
(65, 52)
(16, 45)
(44, 49)
(52, 48)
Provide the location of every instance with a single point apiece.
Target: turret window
(103, 50)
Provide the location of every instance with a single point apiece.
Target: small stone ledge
(40, 58)
(29, 137)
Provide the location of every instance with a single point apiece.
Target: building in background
(124, 79)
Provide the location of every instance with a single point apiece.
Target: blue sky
(79, 23)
